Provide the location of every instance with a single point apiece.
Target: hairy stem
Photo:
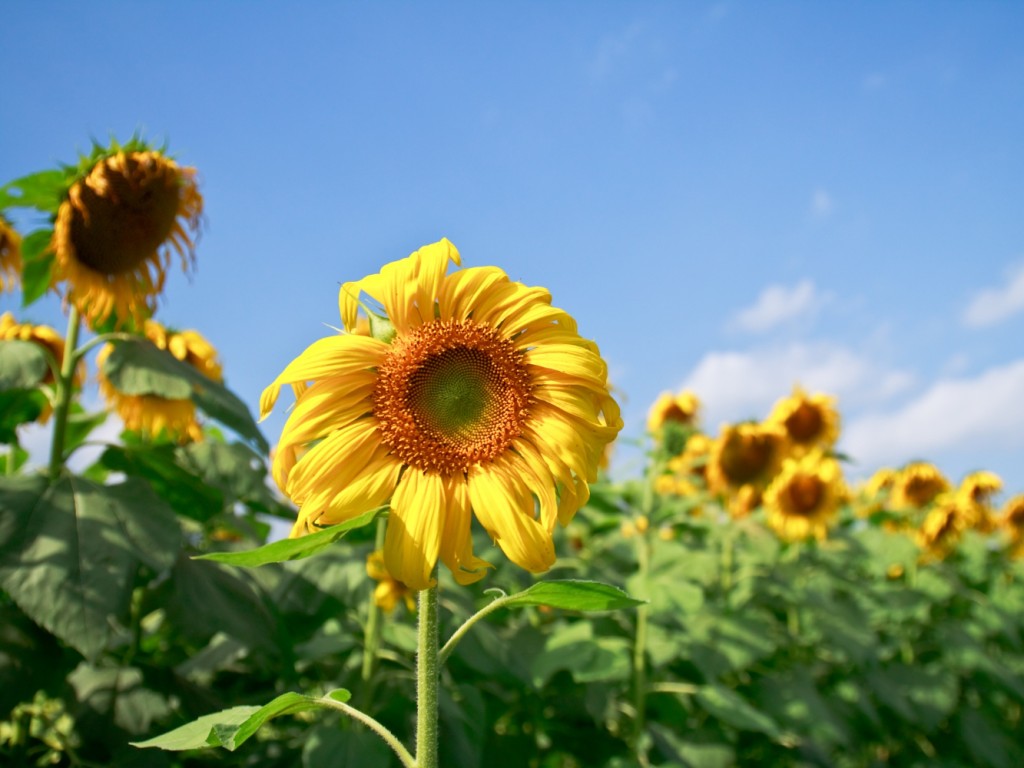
(427, 680)
(64, 391)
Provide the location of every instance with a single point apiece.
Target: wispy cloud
(973, 413)
(994, 305)
(778, 304)
(741, 385)
(613, 49)
(821, 203)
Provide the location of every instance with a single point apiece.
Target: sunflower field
(464, 584)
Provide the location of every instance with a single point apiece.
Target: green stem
(461, 631)
(371, 641)
(389, 738)
(64, 391)
(643, 559)
(427, 677)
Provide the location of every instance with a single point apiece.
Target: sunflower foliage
(737, 603)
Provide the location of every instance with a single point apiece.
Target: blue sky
(729, 196)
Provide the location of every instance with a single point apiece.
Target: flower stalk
(64, 392)
(427, 680)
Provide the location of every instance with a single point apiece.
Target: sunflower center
(922, 490)
(805, 492)
(746, 456)
(450, 395)
(123, 212)
(805, 423)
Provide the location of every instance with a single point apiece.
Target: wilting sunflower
(389, 590)
(974, 497)
(682, 408)
(942, 528)
(46, 337)
(154, 415)
(916, 486)
(483, 399)
(10, 256)
(804, 497)
(809, 421)
(116, 229)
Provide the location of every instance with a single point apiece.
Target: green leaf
(17, 407)
(293, 549)
(37, 265)
(731, 708)
(80, 425)
(42, 191)
(137, 367)
(23, 364)
(69, 552)
(120, 692)
(574, 595)
(233, 727)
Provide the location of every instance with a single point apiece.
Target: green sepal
(231, 728)
(293, 549)
(381, 328)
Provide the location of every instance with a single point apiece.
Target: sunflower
(744, 454)
(682, 408)
(873, 494)
(916, 486)
(116, 229)
(389, 590)
(480, 398)
(46, 337)
(804, 497)
(154, 415)
(1012, 521)
(974, 497)
(942, 528)
(10, 256)
(809, 421)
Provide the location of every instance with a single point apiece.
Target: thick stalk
(64, 391)
(427, 678)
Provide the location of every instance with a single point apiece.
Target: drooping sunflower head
(10, 256)
(916, 486)
(478, 397)
(974, 497)
(153, 415)
(116, 228)
(809, 421)
(804, 497)
(744, 454)
(942, 528)
(389, 590)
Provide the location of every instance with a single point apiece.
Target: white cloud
(740, 385)
(979, 413)
(821, 203)
(993, 305)
(777, 304)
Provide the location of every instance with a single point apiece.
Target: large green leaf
(37, 265)
(69, 551)
(232, 727)
(23, 364)
(138, 367)
(293, 549)
(234, 469)
(573, 595)
(42, 191)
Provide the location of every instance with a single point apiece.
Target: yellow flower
(744, 454)
(803, 499)
(154, 415)
(809, 421)
(484, 401)
(680, 409)
(1011, 520)
(745, 500)
(116, 229)
(942, 527)
(46, 337)
(389, 590)
(974, 497)
(10, 256)
(916, 486)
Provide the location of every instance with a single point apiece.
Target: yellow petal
(413, 538)
(457, 539)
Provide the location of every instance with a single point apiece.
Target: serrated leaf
(138, 367)
(42, 191)
(574, 595)
(293, 549)
(232, 727)
(69, 551)
(23, 364)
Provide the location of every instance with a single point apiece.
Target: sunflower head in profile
(161, 417)
(808, 421)
(744, 454)
(10, 256)
(803, 499)
(389, 590)
(128, 209)
(942, 527)
(1011, 520)
(916, 486)
(47, 338)
(974, 496)
(475, 397)
(874, 493)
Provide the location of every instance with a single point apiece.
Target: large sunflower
(809, 421)
(116, 229)
(480, 398)
(744, 454)
(159, 416)
(804, 497)
(10, 256)
(916, 486)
